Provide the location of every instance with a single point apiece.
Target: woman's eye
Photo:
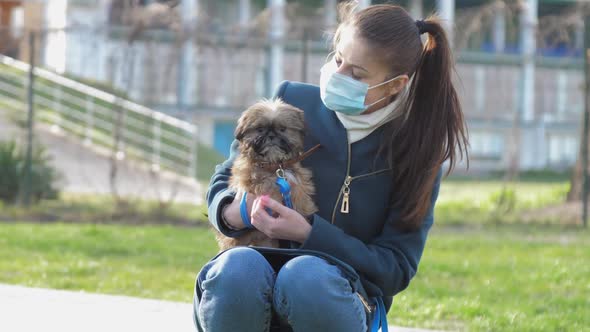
(355, 76)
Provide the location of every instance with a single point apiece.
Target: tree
(158, 15)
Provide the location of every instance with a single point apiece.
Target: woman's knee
(236, 292)
(310, 276)
(308, 289)
(239, 266)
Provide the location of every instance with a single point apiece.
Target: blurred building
(206, 60)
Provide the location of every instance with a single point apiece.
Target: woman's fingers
(274, 205)
(261, 219)
(288, 224)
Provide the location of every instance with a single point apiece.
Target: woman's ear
(397, 85)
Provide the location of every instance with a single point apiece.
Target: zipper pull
(368, 307)
(346, 192)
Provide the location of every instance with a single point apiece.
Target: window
(563, 149)
(486, 145)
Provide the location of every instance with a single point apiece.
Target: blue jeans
(240, 290)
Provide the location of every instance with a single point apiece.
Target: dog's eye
(260, 130)
(282, 129)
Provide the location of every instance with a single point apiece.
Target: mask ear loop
(382, 83)
(330, 56)
(373, 103)
(378, 85)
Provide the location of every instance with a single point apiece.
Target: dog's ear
(241, 128)
(300, 116)
(240, 131)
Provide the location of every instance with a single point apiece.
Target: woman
(387, 116)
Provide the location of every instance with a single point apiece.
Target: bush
(12, 170)
(503, 202)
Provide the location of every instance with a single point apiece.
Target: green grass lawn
(491, 201)
(506, 278)
(502, 278)
(148, 261)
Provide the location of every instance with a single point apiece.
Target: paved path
(26, 309)
(87, 171)
(33, 309)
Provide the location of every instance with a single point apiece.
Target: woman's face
(355, 58)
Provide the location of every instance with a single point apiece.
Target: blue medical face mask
(342, 93)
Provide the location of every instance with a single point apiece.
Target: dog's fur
(269, 131)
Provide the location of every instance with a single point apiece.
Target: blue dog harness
(380, 317)
(284, 188)
(244, 211)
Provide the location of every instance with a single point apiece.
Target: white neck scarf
(361, 126)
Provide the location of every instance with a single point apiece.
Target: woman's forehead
(355, 50)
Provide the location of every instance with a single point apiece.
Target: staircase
(156, 153)
(92, 116)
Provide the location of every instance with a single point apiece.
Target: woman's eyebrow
(352, 64)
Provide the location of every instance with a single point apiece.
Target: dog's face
(271, 131)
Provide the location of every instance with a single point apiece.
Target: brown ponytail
(433, 129)
(433, 132)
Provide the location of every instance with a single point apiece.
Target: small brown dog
(270, 135)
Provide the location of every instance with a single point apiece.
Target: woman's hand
(231, 212)
(287, 225)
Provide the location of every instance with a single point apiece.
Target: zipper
(345, 191)
(369, 174)
(342, 189)
(368, 307)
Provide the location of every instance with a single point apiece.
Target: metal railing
(162, 141)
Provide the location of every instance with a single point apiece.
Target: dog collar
(271, 167)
